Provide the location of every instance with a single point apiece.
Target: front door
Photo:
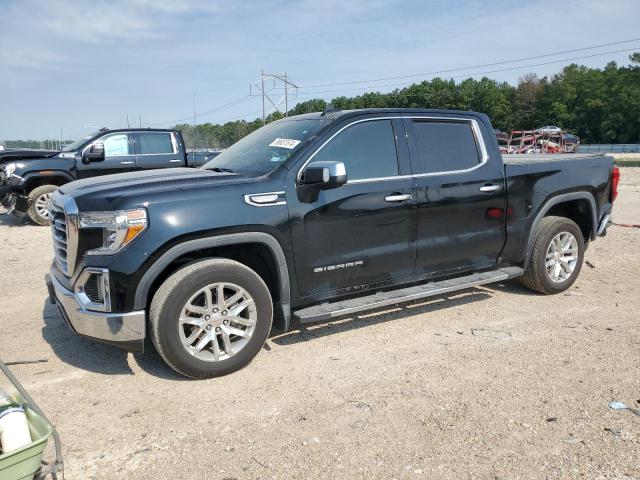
(360, 234)
(119, 156)
(461, 196)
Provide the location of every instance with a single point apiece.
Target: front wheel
(211, 318)
(39, 200)
(556, 257)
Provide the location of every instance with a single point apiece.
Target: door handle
(126, 162)
(176, 160)
(490, 188)
(398, 197)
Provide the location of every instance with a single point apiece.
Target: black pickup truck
(29, 177)
(312, 217)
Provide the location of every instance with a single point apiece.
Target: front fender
(55, 177)
(269, 241)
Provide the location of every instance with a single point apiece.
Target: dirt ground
(492, 382)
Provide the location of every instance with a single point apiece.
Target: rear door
(461, 195)
(119, 156)
(157, 150)
(360, 234)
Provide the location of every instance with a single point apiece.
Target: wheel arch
(38, 179)
(567, 205)
(170, 261)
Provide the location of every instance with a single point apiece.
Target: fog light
(92, 289)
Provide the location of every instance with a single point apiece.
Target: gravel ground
(492, 382)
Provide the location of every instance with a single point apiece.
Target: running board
(327, 311)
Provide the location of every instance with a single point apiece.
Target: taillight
(615, 179)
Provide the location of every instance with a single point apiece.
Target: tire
(538, 275)
(170, 335)
(36, 212)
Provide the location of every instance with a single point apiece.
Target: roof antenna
(330, 109)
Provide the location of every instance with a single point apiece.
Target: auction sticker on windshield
(285, 143)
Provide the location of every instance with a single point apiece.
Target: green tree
(599, 105)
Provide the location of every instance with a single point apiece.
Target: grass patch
(628, 162)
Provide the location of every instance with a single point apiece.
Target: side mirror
(324, 175)
(94, 154)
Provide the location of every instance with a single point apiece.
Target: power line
(473, 74)
(505, 14)
(233, 103)
(471, 67)
(317, 94)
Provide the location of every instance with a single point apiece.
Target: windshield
(263, 150)
(78, 143)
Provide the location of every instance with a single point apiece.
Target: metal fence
(610, 148)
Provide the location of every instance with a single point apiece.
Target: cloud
(72, 62)
(61, 27)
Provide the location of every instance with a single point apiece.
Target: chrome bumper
(126, 330)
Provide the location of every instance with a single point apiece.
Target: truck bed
(516, 159)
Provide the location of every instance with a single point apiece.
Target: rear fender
(567, 197)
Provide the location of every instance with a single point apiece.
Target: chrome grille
(59, 230)
(63, 215)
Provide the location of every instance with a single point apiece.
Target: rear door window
(444, 146)
(155, 143)
(367, 149)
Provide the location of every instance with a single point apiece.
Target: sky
(73, 66)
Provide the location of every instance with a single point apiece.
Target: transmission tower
(270, 93)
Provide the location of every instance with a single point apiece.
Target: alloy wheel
(42, 204)
(562, 257)
(217, 322)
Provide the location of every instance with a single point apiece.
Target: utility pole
(275, 104)
(140, 120)
(264, 120)
(286, 96)
(128, 126)
(195, 138)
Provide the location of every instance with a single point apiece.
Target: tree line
(598, 105)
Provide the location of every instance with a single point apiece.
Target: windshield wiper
(221, 169)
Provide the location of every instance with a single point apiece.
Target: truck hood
(150, 182)
(10, 155)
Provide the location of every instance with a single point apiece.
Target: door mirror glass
(324, 175)
(95, 153)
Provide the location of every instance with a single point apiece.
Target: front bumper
(12, 197)
(125, 330)
(7, 198)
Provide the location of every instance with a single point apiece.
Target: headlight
(119, 228)
(9, 168)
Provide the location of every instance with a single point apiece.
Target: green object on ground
(23, 463)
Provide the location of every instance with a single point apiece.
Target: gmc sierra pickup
(313, 217)
(28, 178)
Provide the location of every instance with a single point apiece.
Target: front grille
(59, 230)
(63, 214)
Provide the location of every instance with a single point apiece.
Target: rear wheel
(556, 257)
(39, 200)
(211, 318)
